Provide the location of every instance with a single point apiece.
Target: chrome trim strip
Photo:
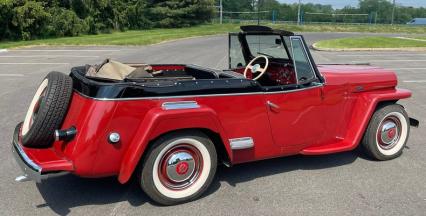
(21, 153)
(241, 143)
(193, 96)
(180, 105)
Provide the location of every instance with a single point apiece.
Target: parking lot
(340, 184)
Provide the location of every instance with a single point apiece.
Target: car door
(295, 115)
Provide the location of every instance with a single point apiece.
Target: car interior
(276, 74)
(264, 58)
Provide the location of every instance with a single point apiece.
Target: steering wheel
(256, 68)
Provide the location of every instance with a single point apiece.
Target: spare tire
(47, 110)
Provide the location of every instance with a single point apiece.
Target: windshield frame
(248, 55)
(282, 45)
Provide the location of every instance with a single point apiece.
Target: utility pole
(298, 13)
(393, 12)
(258, 15)
(378, 10)
(221, 12)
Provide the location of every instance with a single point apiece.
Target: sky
(343, 3)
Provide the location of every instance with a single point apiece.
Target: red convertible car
(171, 125)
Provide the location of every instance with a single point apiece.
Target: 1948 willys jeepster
(170, 125)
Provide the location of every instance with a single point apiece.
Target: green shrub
(6, 15)
(30, 20)
(65, 22)
(176, 13)
(136, 16)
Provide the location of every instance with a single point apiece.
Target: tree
(65, 22)
(176, 13)
(382, 9)
(30, 20)
(6, 16)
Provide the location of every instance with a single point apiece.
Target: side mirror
(278, 41)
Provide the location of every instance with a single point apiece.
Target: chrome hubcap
(389, 132)
(180, 167)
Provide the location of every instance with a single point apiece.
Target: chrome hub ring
(389, 132)
(180, 167)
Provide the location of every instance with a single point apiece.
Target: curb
(411, 49)
(3, 50)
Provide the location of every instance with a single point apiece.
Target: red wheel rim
(180, 167)
(389, 132)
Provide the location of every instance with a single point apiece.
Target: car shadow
(63, 193)
(66, 192)
(249, 171)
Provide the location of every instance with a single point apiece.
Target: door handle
(272, 105)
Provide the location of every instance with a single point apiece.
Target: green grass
(145, 37)
(369, 42)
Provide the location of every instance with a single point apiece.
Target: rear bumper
(31, 169)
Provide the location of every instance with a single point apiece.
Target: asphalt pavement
(339, 184)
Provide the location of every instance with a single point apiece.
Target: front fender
(366, 107)
(363, 111)
(159, 121)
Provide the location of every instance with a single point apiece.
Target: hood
(358, 78)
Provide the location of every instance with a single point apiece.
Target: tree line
(31, 19)
(376, 11)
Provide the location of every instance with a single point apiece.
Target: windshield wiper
(265, 55)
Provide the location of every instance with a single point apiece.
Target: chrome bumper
(32, 171)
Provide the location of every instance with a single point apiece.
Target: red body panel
(324, 119)
(49, 159)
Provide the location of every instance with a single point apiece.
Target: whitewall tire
(47, 111)
(178, 167)
(387, 133)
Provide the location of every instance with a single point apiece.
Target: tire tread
(52, 113)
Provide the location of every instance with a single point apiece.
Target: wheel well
(385, 103)
(379, 105)
(222, 154)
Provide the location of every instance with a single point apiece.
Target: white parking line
(48, 56)
(383, 54)
(57, 50)
(388, 60)
(409, 68)
(414, 39)
(11, 75)
(32, 63)
(414, 81)
(393, 60)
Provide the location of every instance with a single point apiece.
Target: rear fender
(159, 121)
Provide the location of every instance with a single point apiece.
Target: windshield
(269, 45)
